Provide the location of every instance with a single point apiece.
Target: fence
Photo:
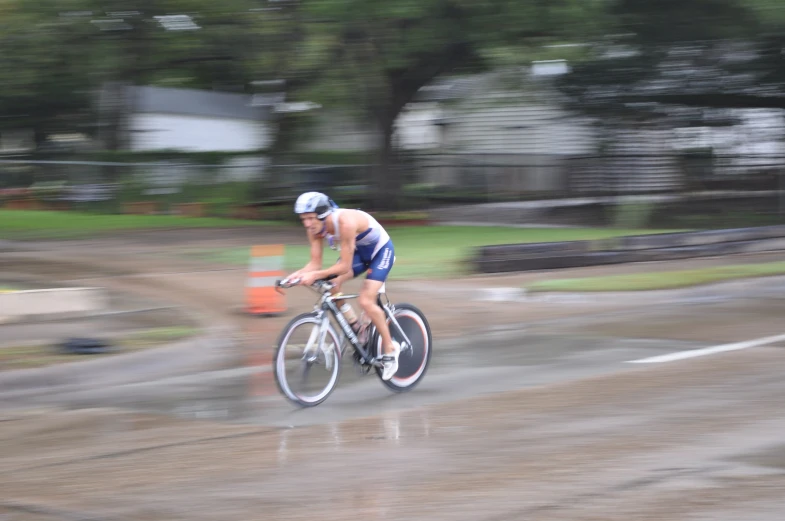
(251, 187)
(501, 177)
(240, 187)
(676, 190)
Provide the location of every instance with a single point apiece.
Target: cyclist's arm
(317, 252)
(348, 228)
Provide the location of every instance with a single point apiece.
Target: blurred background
(663, 113)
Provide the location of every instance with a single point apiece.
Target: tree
(373, 56)
(44, 76)
(175, 43)
(703, 53)
(59, 54)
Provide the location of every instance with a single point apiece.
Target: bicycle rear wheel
(413, 360)
(305, 373)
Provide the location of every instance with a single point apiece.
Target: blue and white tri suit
(373, 251)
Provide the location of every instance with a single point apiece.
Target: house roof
(443, 89)
(192, 102)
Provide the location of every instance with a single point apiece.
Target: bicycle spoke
(411, 325)
(306, 370)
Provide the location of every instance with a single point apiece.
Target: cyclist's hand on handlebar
(288, 282)
(308, 279)
(301, 279)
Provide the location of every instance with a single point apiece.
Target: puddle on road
(546, 352)
(716, 323)
(773, 457)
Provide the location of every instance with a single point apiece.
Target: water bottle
(348, 313)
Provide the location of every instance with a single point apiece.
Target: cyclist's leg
(378, 272)
(358, 266)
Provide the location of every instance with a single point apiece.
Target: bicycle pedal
(362, 369)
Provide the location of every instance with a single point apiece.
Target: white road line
(692, 353)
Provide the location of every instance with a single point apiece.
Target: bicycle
(325, 347)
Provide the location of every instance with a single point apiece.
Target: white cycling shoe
(390, 362)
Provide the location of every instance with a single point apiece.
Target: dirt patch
(152, 264)
(42, 355)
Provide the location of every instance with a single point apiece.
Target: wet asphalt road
(546, 422)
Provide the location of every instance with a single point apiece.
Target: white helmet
(315, 202)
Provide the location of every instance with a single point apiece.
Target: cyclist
(364, 246)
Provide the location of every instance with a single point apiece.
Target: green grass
(435, 251)
(421, 251)
(20, 224)
(158, 335)
(660, 280)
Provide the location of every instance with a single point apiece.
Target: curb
(772, 285)
(627, 249)
(66, 303)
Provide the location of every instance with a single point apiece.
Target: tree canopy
(372, 57)
(703, 53)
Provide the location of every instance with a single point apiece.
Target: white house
(195, 120)
(478, 132)
(487, 135)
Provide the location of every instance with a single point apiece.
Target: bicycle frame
(327, 303)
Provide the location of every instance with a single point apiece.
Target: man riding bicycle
(364, 246)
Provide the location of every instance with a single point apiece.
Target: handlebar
(286, 283)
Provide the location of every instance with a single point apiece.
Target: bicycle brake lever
(285, 283)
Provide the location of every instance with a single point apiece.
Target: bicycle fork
(318, 336)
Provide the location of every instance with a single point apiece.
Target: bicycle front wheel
(305, 371)
(414, 359)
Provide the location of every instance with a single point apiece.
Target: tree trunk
(113, 108)
(39, 137)
(387, 181)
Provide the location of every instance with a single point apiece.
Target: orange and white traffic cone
(266, 266)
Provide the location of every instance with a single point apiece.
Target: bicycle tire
(279, 361)
(406, 382)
